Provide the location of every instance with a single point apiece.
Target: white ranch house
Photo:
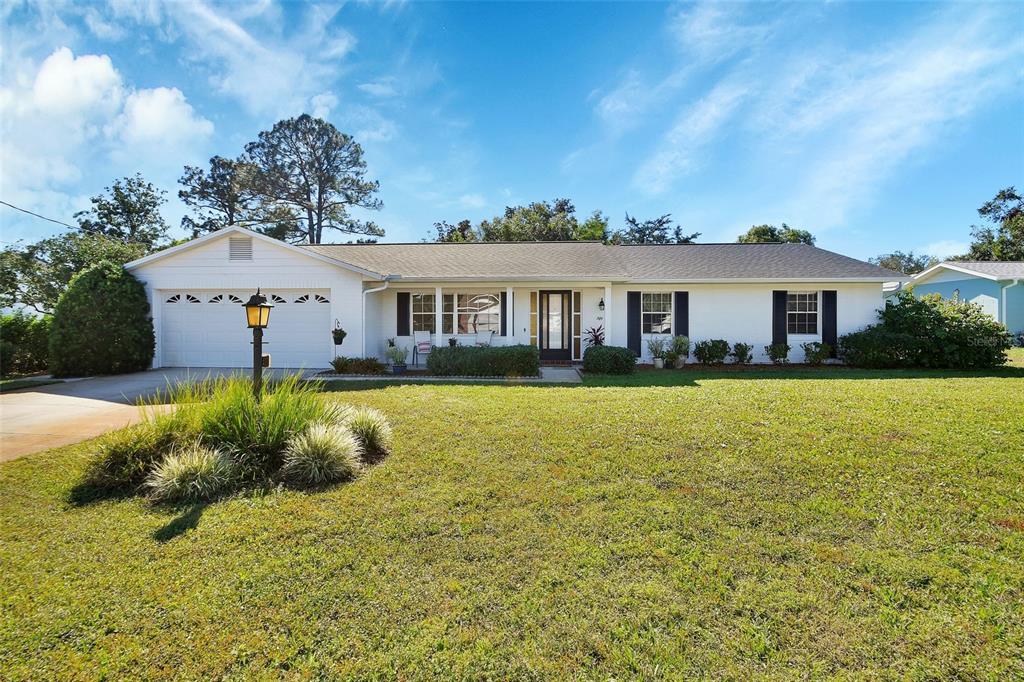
(546, 294)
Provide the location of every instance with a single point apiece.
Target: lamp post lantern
(257, 315)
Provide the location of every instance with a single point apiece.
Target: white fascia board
(925, 274)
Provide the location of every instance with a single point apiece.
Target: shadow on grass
(181, 524)
(85, 493)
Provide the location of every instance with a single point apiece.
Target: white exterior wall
(743, 312)
(272, 267)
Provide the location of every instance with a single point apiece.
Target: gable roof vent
(239, 248)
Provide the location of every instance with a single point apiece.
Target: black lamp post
(257, 314)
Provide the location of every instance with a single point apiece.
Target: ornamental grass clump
(193, 472)
(322, 454)
(292, 433)
(371, 429)
(124, 458)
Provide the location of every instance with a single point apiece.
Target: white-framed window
(423, 319)
(311, 298)
(656, 312)
(802, 312)
(469, 313)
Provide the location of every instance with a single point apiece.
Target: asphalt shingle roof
(596, 261)
(1001, 269)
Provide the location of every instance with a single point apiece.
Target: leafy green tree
(307, 165)
(653, 231)
(460, 232)
(594, 228)
(908, 263)
(36, 275)
(760, 234)
(102, 324)
(129, 212)
(537, 222)
(221, 196)
(1003, 239)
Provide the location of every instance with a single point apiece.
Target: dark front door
(554, 316)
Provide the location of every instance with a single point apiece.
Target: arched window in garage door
(312, 298)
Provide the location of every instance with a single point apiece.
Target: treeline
(295, 182)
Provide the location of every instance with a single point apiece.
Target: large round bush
(101, 324)
(928, 332)
(609, 360)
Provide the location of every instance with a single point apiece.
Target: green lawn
(797, 523)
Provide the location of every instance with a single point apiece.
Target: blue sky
(876, 126)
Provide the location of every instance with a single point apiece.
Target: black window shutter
(633, 321)
(402, 328)
(504, 309)
(779, 334)
(829, 333)
(682, 314)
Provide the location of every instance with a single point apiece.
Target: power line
(18, 208)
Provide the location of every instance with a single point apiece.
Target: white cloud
(716, 31)
(382, 87)
(161, 116)
(83, 86)
(322, 104)
(945, 248)
(470, 201)
(68, 114)
(695, 128)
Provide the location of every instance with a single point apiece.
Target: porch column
(510, 329)
(438, 306)
(608, 315)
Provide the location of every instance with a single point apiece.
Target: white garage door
(201, 328)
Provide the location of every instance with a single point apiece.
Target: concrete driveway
(47, 417)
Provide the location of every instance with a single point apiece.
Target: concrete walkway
(548, 375)
(36, 419)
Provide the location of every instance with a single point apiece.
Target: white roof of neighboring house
(994, 270)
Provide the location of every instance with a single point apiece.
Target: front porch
(553, 316)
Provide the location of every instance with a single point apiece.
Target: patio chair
(484, 338)
(420, 344)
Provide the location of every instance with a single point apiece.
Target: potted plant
(397, 355)
(452, 342)
(681, 348)
(338, 333)
(671, 358)
(656, 347)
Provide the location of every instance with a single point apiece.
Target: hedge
(928, 332)
(101, 324)
(609, 360)
(24, 343)
(484, 361)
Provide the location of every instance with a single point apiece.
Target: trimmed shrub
(816, 353)
(742, 353)
(928, 332)
(711, 352)
(609, 360)
(778, 353)
(194, 472)
(101, 324)
(322, 454)
(486, 361)
(343, 365)
(24, 343)
(371, 430)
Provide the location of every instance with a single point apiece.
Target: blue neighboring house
(997, 286)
